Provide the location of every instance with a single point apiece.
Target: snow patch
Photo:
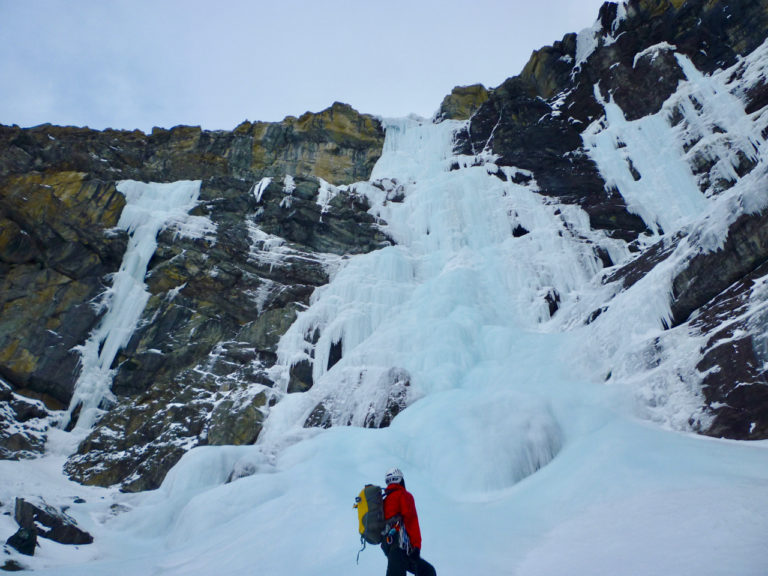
(653, 51)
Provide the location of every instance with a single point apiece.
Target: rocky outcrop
(548, 71)
(463, 102)
(49, 523)
(744, 251)
(196, 369)
(338, 145)
(23, 425)
(528, 133)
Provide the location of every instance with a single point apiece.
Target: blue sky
(144, 63)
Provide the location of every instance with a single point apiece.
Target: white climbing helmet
(394, 476)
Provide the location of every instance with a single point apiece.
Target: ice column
(150, 207)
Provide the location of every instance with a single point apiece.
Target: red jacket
(400, 502)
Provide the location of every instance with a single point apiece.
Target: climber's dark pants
(399, 562)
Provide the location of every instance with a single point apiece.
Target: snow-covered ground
(522, 459)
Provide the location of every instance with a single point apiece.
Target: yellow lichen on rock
(330, 165)
(53, 196)
(17, 359)
(339, 145)
(463, 102)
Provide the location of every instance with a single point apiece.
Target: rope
(361, 549)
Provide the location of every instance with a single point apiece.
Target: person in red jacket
(402, 543)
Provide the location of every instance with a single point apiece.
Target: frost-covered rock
(23, 425)
(237, 420)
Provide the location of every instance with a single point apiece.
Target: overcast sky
(143, 63)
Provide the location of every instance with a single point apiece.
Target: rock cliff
(218, 304)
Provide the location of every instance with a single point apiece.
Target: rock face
(218, 304)
(53, 255)
(282, 214)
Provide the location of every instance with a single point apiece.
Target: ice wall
(449, 309)
(689, 171)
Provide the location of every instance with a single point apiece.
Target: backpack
(370, 514)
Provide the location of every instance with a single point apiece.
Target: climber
(402, 542)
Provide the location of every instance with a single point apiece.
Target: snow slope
(521, 459)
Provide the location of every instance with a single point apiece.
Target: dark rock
(526, 133)
(135, 444)
(345, 228)
(27, 410)
(12, 566)
(744, 418)
(733, 361)
(6, 392)
(21, 445)
(237, 421)
(552, 298)
(604, 257)
(319, 418)
(712, 33)
(335, 354)
(548, 70)
(24, 540)
(23, 426)
(594, 315)
(519, 122)
(519, 231)
(634, 270)
(709, 273)
(396, 383)
(61, 528)
(300, 377)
